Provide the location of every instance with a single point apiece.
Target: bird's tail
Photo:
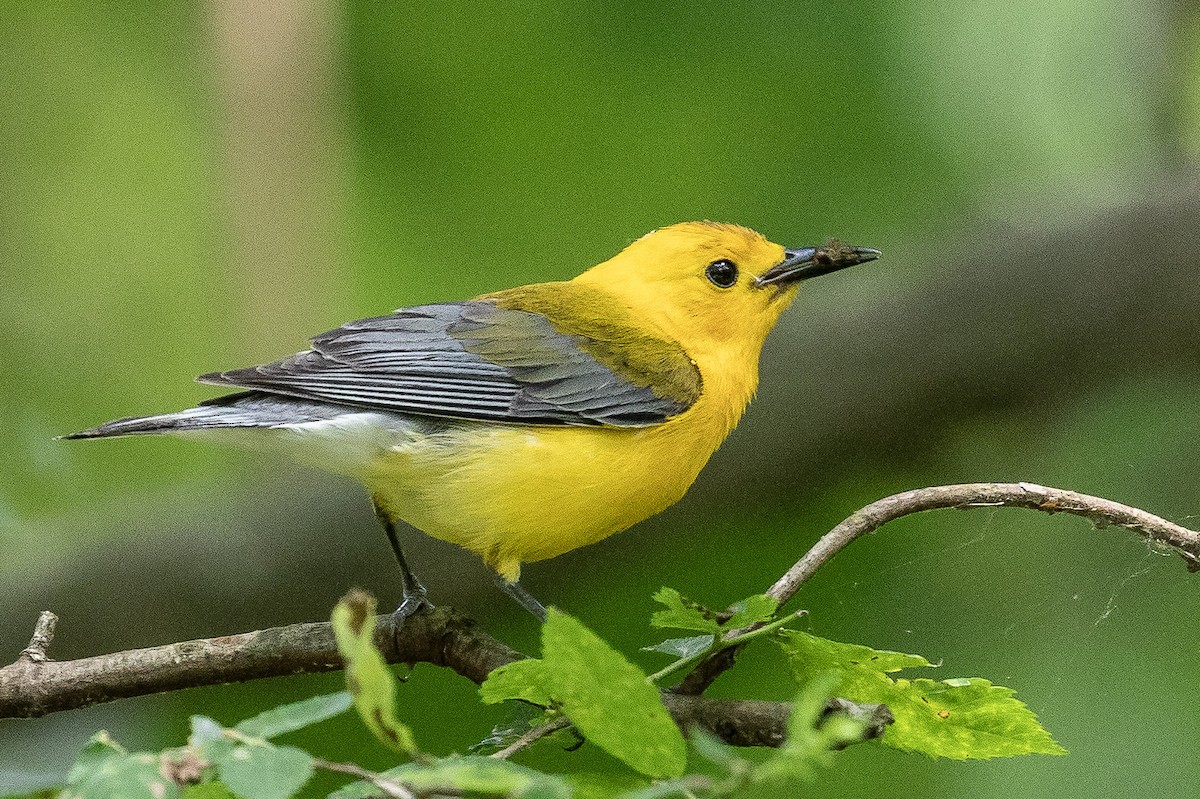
(193, 419)
(245, 409)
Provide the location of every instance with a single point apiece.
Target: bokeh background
(190, 187)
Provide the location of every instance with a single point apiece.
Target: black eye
(722, 273)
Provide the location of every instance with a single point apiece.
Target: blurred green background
(186, 188)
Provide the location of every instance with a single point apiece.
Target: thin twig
(1101, 512)
(389, 788)
(43, 636)
(731, 638)
(531, 736)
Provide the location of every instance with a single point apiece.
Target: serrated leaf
(609, 700)
(265, 771)
(959, 718)
(371, 684)
(811, 655)
(207, 790)
(527, 680)
(470, 774)
(964, 719)
(682, 647)
(756, 609)
(124, 775)
(682, 614)
(605, 696)
(294, 716)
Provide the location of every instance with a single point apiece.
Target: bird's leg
(523, 597)
(413, 595)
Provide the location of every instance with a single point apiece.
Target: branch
(442, 636)
(35, 685)
(531, 737)
(1101, 512)
(393, 790)
(43, 636)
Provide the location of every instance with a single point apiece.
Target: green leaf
(371, 684)
(606, 697)
(118, 774)
(605, 786)
(473, 774)
(609, 700)
(527, 680)
(205, 731)
(663, 789)
(756, 609)
(811, 656)
(683, 614)
(294, 716)
(99, 748)
(682, 647)
(265, 771)
(959, 719)
(207, 790)
(964, 719)
(209, 738)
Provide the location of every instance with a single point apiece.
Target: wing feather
(471, 360)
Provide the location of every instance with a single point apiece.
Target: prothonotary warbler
(528, 422)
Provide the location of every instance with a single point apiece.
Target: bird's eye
(722, 273)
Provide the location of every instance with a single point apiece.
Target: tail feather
(194, 419)
(245, 409)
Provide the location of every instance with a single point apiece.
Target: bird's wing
(474, 360)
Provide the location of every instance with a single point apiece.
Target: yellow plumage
(517, 495)
(532, 421)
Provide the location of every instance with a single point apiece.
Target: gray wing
(470, 360)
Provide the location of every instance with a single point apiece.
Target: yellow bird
(528, 422)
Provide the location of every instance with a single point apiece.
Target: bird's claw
(413, 602)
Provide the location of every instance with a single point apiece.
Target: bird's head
(715, 283)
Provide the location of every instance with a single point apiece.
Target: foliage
(956, 718)
(607, 698)
(367, 676)
(609, 702)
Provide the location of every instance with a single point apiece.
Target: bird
(531, 421)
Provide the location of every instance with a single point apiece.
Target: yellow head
(717, 288)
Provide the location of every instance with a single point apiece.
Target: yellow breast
(521, 494)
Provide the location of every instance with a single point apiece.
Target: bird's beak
(806, 262)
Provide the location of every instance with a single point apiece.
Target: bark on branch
(35, 685)
(30, 687)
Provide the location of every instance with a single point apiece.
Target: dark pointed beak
(808, 262)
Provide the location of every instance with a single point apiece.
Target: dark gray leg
(523, 597)
(413, 596)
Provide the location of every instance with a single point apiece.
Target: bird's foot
(415, 600)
